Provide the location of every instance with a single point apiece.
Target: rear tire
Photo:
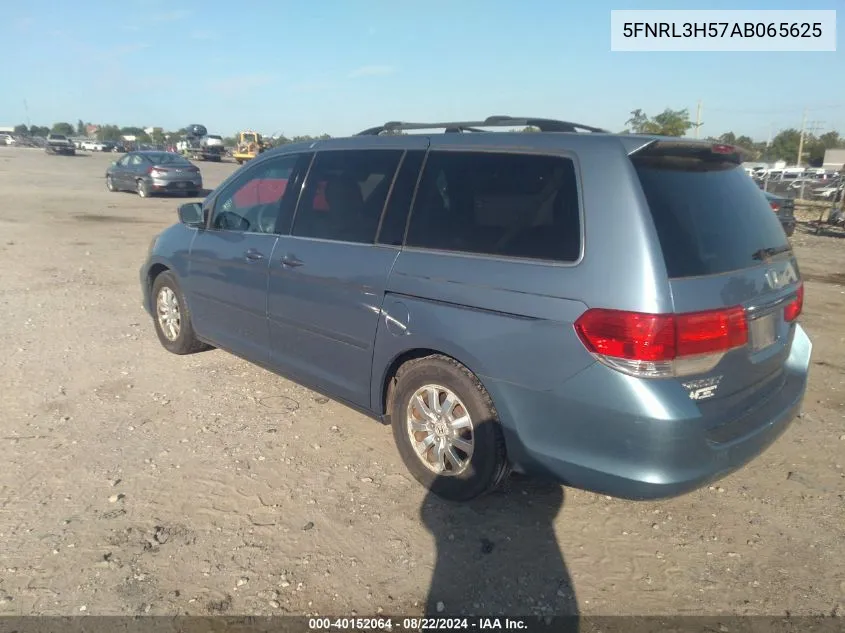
(172, 317)
(469, 430)
(143, 189)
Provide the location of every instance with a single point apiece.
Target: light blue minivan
(617, 312)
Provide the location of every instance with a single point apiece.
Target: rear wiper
(765, 253)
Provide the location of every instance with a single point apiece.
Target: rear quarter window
(498, 204)
(710, 217)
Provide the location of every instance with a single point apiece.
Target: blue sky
(338, 66)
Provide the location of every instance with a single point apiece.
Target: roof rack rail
(544, 125)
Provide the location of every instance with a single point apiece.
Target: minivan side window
(252, 201)
(344, 195)
(498, 203)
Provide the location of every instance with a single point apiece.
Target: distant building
(834, 159)
(91, 130)
(7, 130)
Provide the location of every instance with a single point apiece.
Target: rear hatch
(172, 170)
(733, 276)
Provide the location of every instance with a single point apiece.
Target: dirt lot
(135, 481)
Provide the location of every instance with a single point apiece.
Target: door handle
(253, 255)
(291, 261)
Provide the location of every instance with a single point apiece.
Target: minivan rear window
(710, 217)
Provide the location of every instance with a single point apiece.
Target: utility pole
(801, 140)
(812, 128)
(697, 118)
(26, 109)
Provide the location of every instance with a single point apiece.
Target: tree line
(104, 133)
(784, 146)
(157, 137)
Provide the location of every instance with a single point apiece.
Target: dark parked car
(150, 172)
(785, 209)
(495, 301)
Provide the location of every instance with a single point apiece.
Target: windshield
(58, 137)
(710, 217)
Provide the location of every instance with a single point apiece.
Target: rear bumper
(176, 186)
(616, 435)
(788, 225)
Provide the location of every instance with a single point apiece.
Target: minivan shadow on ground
(498, 555)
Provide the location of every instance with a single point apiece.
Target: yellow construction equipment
(250, 144)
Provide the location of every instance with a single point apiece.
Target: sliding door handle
(253, 255)
(291, 261)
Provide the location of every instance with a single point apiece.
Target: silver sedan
(151, 172)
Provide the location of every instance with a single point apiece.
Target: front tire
(110, 184)
(143, 189)
(447, 430)
(173, 318)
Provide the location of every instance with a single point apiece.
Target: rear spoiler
(657, 147)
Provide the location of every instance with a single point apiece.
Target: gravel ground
(135, 481)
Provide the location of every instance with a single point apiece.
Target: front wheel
(172, 317)
(447, 430)
(110, 184)
(143, 189)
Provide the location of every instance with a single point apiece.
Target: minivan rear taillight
(794, 307)
(662, 345)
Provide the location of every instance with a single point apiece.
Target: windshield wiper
(766, 253)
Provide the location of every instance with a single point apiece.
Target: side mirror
(191, 214)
